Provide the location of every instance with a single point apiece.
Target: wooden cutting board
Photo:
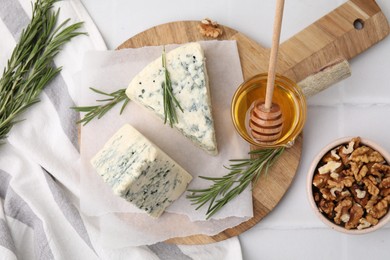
(332, 37)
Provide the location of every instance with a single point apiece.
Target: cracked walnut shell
(350, 180)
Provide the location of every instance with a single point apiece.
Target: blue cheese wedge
(140, 172)
(187, 67)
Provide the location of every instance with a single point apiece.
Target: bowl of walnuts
(348, 185)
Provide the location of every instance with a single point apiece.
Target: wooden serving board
(330, 38)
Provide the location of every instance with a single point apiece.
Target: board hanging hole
(358, 24)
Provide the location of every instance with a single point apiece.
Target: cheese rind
(140, 172)
(187, 68)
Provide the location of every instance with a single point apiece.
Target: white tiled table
(359, 105)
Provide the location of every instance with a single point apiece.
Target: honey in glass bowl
(287, 94)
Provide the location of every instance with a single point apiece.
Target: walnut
(380, 170)
(347, 172)
(380, 209)
(349, 149)
(334, 190)
(366, 154)
(371, 188)
(345, 151)
(385, 192)
(334, 154)
(355, 168)
(341, 209)
(369, 166)
(356, 213)
(359, 194)
(374, 180)
(360, 173)
(326, 194)
(373, 221)
(209, 28)
(344, 194)
(385, 183)
(335, 184)
(330, 166)
(360, 154)
(320, 180)
(326, 207)
(363, 223)
(347, 181)
(334, 175)
(335, 194)
(375, 156)
(370, 204)
(331, 156)
(339, 193)
(345, 217)
(356, 141)
(344, 157)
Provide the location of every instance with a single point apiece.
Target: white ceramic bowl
(312, 170)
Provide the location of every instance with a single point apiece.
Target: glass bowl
(287, 94)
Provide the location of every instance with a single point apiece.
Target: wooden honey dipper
(266, 121)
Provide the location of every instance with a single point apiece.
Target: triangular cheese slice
(187, 68)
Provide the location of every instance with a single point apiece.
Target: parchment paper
(112, 70)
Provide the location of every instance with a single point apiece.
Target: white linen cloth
(40, 166)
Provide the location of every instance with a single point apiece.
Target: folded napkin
(40, 166)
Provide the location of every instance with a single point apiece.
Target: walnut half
(356, 213)
(209, 28)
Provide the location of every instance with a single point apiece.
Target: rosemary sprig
(99, 111)
(118, 96)
(229, 186)
(29, 69)
(168, 98)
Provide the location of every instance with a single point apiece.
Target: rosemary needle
(29, 69)
(242, 173)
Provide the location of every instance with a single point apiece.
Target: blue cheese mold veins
(187, 67)
(140, 172)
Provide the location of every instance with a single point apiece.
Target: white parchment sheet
(112, 70)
